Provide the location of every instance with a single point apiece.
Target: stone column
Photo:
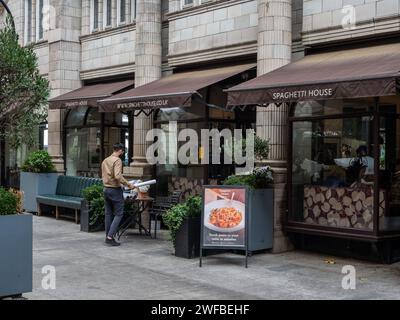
(274, 51)
(64, 67)
(85, 17)
(148, 69)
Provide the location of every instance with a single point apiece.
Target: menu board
(224, 217)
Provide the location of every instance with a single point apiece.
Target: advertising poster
(224, 217)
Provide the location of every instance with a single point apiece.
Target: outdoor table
(134, 215)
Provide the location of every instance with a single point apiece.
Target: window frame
(92, 16)
(28, 4)
(119, 7)
(133, 9)
(39, 15)
(105, 14)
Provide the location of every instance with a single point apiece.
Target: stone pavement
(144, 268)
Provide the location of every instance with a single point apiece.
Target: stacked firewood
(341, 207)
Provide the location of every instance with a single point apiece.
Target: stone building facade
(90, 40)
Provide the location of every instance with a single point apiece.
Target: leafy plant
(261, 148)
(175, 216)
(23, 90)
(8, 202)
(95, 198)
(38, 162)
(260, 178)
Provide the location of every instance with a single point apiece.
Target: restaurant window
(43, 136)
(191, 177)
(94, 15)
(28, 21)
(332, 176)
(86, 143)
(389, 164)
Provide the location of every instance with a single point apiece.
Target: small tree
(23, 91)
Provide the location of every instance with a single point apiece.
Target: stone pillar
(64, 67)
(274, 51)
(148, 69)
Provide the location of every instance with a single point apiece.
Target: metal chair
(161, 205)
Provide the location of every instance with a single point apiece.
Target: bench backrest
(73, 186)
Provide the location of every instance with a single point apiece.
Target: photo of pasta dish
(225, 217)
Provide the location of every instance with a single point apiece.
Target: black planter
(187, 244)
(16, 254)
(85, 220)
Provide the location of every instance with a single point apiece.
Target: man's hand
(131, 186)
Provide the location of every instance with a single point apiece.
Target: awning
(175, 90)
(353, 73)
(89, 95)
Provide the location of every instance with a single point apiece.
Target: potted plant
(92, 212)
(261, 206)
(183, 222)
(15, 245)
(38, 177)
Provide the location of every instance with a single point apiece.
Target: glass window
(28, 22)
(107, 13)
(333, 173)
(331, 107)
(83, 152)
(76, 117)
(187, 3)
(389, 166)
(39, 19)
(133, 10)
(94, 15)
(176, 114)
(93, 117)
(121, 11)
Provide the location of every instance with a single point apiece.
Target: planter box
(85, 220)
(34, 184)
(188, 239)
(16, 254)
(261, 219)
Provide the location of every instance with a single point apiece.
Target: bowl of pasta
(224, 215)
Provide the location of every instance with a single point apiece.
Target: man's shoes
(112, 242)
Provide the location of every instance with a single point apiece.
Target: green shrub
(175, 216)
(38, 162)
(260, 178)
(8, 202)
(95, 198)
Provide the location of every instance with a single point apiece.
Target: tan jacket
(111, 170)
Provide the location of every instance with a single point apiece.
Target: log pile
(341, 207)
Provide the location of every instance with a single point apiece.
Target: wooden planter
(187, 244)
(16, 254)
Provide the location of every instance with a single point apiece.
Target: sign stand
(235, 237)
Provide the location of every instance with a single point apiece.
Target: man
(113, 180)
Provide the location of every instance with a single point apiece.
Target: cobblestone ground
(144, 268)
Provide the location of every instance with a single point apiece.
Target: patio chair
(161, 205)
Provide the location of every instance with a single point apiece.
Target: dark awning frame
(176, 90)
(89, 95)
(352, 73)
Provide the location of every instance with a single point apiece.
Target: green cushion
(69, 192)
(60, 201)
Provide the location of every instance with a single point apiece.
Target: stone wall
(323, 20)
(114, 49)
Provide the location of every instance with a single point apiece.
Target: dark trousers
(114, 209)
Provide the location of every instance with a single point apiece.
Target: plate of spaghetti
(224, 215)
